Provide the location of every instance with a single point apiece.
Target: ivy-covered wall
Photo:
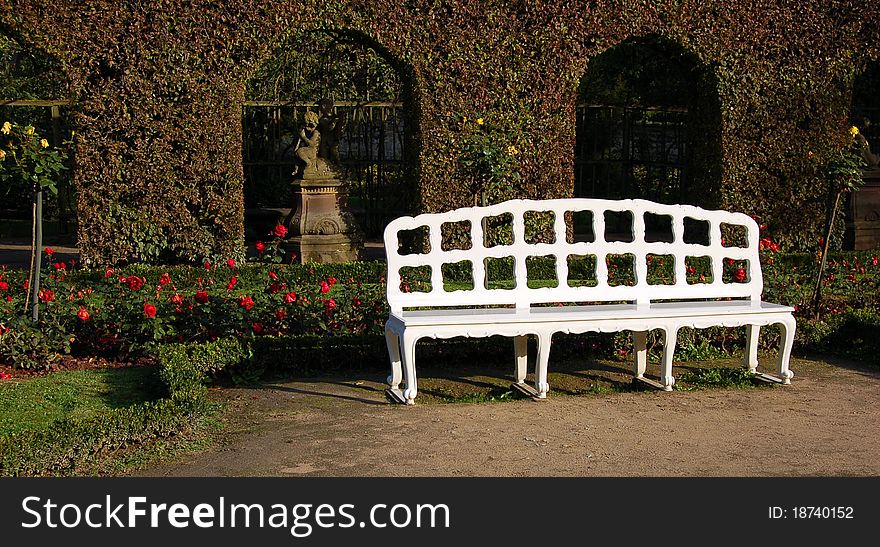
(157, 89)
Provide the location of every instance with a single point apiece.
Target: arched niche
(648, 125)
(863, 207)
(34, 90)
(371, 89)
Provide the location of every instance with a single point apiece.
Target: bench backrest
(561, 248)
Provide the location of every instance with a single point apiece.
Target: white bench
(518, 312)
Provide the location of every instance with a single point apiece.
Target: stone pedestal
(322, 230)
(865, 213)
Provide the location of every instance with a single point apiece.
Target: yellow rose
(29, 130)
(479, 121)
(2, 154)
(512, 151)
(44, 143)
(853, 131)
(7, 127)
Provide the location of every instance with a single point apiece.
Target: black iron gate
(631, 152)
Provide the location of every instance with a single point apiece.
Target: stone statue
(309, 145)
(320, 225)
(318, 148)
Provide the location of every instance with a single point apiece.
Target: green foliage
(26, 156)
(716, 377)
(488, 158)
(32, 403)
(158, 93)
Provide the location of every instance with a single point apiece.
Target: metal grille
(371, 149)
(628, 152)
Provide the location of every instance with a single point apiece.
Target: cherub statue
(871, 159)
(309, 143)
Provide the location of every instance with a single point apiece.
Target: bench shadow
(318, 393)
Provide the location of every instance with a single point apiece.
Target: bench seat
(729, 295)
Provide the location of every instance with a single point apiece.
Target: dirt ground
(826, 423)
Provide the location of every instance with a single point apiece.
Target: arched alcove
(372, 91)
(648, 125)
(863, 207)
(34, 91)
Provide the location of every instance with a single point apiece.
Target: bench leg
(666, 378)
(521, 347)
(393, 342)
(640, 353)
(787, 328)
(541, 368)
(409, 368)
(751, 357)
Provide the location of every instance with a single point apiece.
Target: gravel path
(825, 423)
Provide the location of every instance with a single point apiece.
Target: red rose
(47, 295)
(740, 275)
(330, 304)
(279, 231)
(49, 251)
(59, 266)
(164, 279)
(83, 314)
(280, 315)
(246, 302)
(149, 310)
(260, 246)
(325, 288)
(5, 376)
(273, 276)
(290, 297)
(331, 280)
(3, 285)
(258, 328)
(108, 273)
(207, 265)
(275, 288)
(873, 260)
(202, 297)
(232, 282)
(356, 302)
(177, 300)
(230, 263)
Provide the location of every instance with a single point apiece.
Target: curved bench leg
(670, 338)
(393, 342)
(541, 384)
(640, 353)
(787, 328)
(409, 368)
(521, 347)
(751, 356)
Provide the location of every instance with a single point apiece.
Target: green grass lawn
(35, 403)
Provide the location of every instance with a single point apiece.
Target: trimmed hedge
(158, 87)
(67, 444)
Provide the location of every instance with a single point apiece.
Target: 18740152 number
(807, 512)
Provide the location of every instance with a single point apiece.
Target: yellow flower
(464, 119)
(853, 131)
(44, 143)
(512, 151)
(7, 127)
(29, 130)
(479, 121)
(2, 154)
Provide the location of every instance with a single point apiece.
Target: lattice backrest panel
(638, 233)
